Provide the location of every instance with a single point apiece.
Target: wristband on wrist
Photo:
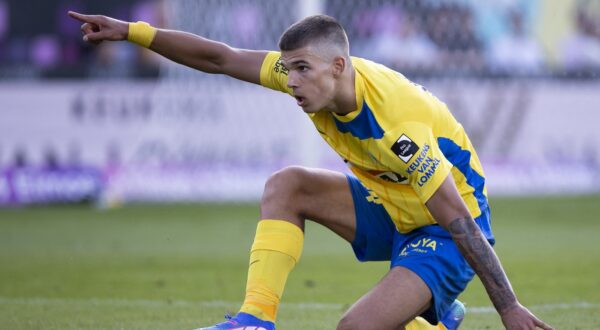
(141, 33)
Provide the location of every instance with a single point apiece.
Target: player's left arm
(450, 211)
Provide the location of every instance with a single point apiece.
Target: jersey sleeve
(273, 74)
(414, 152)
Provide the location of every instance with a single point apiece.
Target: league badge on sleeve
(405, 148)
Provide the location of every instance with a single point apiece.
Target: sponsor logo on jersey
(424, 245)
(405, 148)
(424, 165)
(427, 170)
(418, 161)
(392, 177)
(280, 68)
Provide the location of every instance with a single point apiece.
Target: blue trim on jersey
(461, 159)
(364, 126)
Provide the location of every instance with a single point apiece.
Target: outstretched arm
(185, 48)
(449, 210)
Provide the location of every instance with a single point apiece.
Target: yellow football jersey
(401, 144)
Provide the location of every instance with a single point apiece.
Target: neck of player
(344, 101)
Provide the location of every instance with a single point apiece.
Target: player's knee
(284, 187)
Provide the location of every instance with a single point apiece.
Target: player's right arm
(185, 48)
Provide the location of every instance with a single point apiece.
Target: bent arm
(450, 211)
(209, 56)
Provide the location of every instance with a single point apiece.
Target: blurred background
(115, 123)
(95, 127)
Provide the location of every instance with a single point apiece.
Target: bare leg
(396, 300)
(297, 193)
(290, 196)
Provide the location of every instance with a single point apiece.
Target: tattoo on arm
(480, 255)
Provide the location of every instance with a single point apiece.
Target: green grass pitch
(184, 266)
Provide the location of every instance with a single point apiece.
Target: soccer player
(417, 196)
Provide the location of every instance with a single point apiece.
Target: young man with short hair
(417, 196)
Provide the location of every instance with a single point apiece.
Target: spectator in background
(580, 52)
(491, 24)
(376, 33)
(515, 53)
(419, 52)
(451, 27)
(395, 39)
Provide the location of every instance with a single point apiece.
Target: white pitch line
(41, 301)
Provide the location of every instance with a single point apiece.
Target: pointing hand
(97, 28)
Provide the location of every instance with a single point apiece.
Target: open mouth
(300, 100)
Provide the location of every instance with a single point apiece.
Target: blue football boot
(454, 316)
(242, 321)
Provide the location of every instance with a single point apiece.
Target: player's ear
(339, 65)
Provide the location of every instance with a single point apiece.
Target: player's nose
(292, 80)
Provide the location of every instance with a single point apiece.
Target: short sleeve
(414, 152)
(273, 74)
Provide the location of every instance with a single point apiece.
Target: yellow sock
(276, 250)
(420, 323)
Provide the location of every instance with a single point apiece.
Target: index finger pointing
(82, 17)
